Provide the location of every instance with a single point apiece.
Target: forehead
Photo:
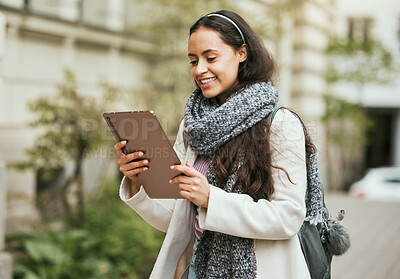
(205, 38)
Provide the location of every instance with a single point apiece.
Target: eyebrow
(204, 52)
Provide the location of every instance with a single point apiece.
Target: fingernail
(145, 161)
(172, 167)
(123, 142)
(170, 181)
(140, 154)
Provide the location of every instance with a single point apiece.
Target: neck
(225, 95)
(222, 98)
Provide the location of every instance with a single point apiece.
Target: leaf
(31, 275)
(360, 61)
(42, 251)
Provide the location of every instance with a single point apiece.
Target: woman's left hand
(194, 186)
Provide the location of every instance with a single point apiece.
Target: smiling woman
(215, 64)
(245, 178)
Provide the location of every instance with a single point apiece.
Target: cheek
(232, 74)
(193, 71)
(231, 69)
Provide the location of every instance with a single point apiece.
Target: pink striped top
(201, 165)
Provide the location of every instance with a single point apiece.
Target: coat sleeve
(282, 216)
(156, 212)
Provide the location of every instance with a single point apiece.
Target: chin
(209, 95)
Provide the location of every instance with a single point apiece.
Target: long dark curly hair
(255, 173)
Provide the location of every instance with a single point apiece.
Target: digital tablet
(143, 132)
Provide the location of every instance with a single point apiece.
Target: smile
(204, 81)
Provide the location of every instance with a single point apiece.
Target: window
(359, 28)
(68, 10)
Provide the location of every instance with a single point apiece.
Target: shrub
(112, 242)
(127, 241)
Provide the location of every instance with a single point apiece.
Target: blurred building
(300, 56)
(380, 20)
(40, 38)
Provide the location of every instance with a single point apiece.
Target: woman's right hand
(130, 166)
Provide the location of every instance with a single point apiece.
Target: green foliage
(70, 254)
(128, 241)
(352, 123)
(398, 33)
(346, 133)
(69, 122)
(360, 62)
(113, 242)
(66, 120)
(171, 19)
(169, 84)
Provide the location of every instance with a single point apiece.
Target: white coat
(272, 224)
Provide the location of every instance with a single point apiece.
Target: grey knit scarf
(207, 127)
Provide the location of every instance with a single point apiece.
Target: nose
(201, 67)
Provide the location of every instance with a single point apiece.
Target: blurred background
(65, 62)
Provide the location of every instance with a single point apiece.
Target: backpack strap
(271, 116)
(185, 140)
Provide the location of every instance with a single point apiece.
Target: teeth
(207, 80)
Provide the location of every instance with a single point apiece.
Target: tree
(66, 120)
(360, 62)
(169, 84)
(346, 127)
(112, 242)
(357, 61)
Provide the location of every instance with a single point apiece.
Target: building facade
(39, 39)
(42, 40)
(381, 21)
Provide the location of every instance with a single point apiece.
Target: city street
(375, 236)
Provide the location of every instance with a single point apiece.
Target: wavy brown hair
(252, 147)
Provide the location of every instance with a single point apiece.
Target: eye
(211, 59)
(193, 62)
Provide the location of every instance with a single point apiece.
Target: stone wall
(5, 258)
(35, 49)
(311, 34)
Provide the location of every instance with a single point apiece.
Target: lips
(207, 82)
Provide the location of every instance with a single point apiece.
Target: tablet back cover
(143, 132)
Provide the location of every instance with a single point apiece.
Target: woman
(245, 179)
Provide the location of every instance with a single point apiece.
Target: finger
(189, 171)
(134, 156)
(181, 179)
(187, 187)
(186, 191)
(130, 157)
(138, 164)
(118, 147)
(185, 194)
(134, 165)
(135, 171)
